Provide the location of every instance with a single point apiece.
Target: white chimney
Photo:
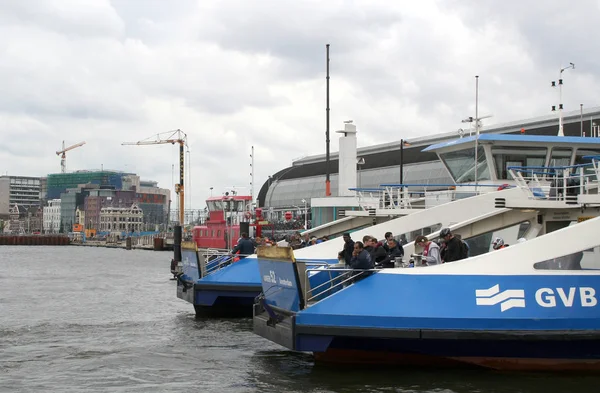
(347, 159)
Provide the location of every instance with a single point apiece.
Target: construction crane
(172, 137)
(63, 159)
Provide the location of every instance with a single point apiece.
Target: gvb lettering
(554, 297)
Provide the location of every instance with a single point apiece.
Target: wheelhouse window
(507, 156)
(215, 205)
(561, 156)
(461, 165)
(588, 171)
(582, 152)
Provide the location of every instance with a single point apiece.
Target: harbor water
(78, 319)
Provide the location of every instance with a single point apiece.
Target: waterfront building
(58, 183)
(51, 217)
(121, 219)
(14, 225)
(24, 191)
(90, 191)
(104, 197)
(155, 202)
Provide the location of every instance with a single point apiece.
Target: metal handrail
(555, 183)
(391, 196)
(228, 260)
(346, 273)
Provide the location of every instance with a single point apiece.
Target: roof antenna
(327, 182)
(560, 105)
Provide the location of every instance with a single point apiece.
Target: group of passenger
(451, 248)
(370, 253)
(297, 241)
(246, 245)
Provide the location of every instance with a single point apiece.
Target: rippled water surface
(75, 319)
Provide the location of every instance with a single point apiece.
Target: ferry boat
(230, 288)
(530, 306)
(222, 226)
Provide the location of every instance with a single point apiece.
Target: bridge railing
(215, 260)
(557, 183)
(418, 196)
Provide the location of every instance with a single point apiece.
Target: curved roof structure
(311, 170)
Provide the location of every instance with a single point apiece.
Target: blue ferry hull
(228, 292)
(506, 350)
(537, 322)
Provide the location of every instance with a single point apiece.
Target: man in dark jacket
(375, 249)
(346, 253)
(453, 248)
(245, 246)
(394, 251)
(361, 259)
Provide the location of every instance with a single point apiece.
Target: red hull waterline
(349, 356)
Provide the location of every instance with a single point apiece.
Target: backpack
(464, 249)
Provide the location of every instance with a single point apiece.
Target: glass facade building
(58, 183)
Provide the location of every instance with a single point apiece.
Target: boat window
(240, 205)
(481, 244)
(582, 152)
(507, 156)
(561, 156)
(215, 205)
(565, 262)
(410, 236)
(461, 165)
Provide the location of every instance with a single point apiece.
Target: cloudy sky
(237, 73)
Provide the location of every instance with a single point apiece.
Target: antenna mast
(560, 105)
(252, 181)
(476, 128)
(327, 182)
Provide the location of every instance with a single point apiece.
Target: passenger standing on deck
(453, 250)
(361, 259)
(374, 248)
(346, 253)
(387, 236)
(498, 243)
(394, 251)
(431, 251)
(245, 246)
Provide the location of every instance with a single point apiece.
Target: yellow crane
(63, 159)
(172, 137)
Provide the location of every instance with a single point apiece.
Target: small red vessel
(222, 226)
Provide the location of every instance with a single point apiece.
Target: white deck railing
(560, 183)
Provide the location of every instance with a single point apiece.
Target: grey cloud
(295, 32)
(80, 17)
(236, 73)
(553, 31)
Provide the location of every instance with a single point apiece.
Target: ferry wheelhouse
(226, 214)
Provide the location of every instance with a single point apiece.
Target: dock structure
(34, 240)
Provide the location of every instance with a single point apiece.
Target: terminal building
(301, 187)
